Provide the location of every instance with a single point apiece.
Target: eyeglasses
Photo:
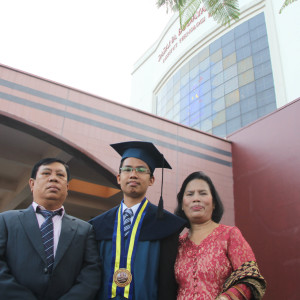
(140, 170)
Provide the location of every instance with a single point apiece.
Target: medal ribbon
(124, 257)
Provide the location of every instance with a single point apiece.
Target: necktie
(47, 234)
(128, 213)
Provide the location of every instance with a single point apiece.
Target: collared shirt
(134, 209)
(57, 219)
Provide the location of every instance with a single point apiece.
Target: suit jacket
(23, 267)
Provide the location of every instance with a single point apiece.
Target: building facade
(218, 79)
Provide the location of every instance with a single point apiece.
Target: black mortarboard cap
(148, 153)
(144, 151)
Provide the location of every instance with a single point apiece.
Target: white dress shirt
(57, 219)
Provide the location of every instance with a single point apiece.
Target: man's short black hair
(48, 161)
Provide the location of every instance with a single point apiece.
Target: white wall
(284, 41)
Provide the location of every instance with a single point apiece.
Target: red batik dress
(201, 270)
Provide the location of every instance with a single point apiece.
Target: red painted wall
(266, 172)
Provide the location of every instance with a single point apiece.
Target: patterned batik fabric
(201, 270)
(248, 273)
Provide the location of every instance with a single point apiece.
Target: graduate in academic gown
(139, 263)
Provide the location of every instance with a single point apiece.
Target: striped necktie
(127, 214)
(47, 234)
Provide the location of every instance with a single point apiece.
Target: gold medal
(122, 277)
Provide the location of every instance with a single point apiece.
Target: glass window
(184, 102)
(206, 124)
(219, 130)
(176, 118)
(184, 90)
(233, 125)
(185, 122)
(259, 44)
(169, 104)
(229, 49)
(215, 46)
(205, 112)
(194, 106)
(227, 38)
(218, 92)
(218, 105)
(262, 69)
(204, 76)
(194, 118)
(205, 87)
(176, 77)
(205, 98)
(203, 54)
(169, 115)
(245, 65)
(216, 68)
(231, 85)
(169, 84)
(217, 56)
(176, 98)
(184, 114)
(248, 104)
(243, 53)
(257, 20)
(233, 111)
(246, 77)
(204, 65)
(264, 110)
(230, 72)
(242, 41)
(184, 70)
(266, 97)
(241, 29)
(176, 87)
(261, 56)
(229, 60)
(217, 80)
(232, 98)
(194, 62)
(258, 32)
(176, 108)
(194, 84)
(169, 94)
(247, 90)
(163, 110)
(163, 91)
(219, 118)
(194, 72)
(249, 117)
(184, 80)
(264, 83)
(195, 95)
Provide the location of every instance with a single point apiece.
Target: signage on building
(182, 35)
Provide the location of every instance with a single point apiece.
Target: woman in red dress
(214, 261)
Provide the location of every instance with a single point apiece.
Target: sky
(90, 45)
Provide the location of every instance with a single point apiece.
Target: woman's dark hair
(218, 210)
(48, 161)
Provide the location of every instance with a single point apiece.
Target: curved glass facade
(225, 86)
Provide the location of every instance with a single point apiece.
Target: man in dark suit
(44, 253)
